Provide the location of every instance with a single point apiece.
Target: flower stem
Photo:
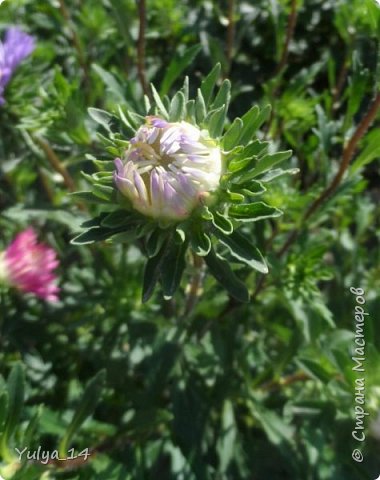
(55, 162)
(292, 20)
(230, 37)
(195, 285)
(141, 47)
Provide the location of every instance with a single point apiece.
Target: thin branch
(284, 382)
(337, 90)
(230, 37)
(56, 163)
(45, 184)
(141, 47)
(195, 285)
(292, 20)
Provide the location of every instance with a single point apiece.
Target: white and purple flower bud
(168, 169)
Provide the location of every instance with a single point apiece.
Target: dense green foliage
(200, 386)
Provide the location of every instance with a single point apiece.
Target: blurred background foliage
(222, 391)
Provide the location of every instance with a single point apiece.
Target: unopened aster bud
(16, 47)
(28, 266)
(168, 169)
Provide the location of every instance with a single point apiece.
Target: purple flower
(169, 169)
(16, 46)
(29, 266)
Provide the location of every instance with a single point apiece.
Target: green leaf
(235, 197)
(252, 212)
(155, 241)
(86, 407)
(131, 120)
(215, 121)
(110, 82)
(185, 89)
(223, 96)
(32, 427)
(278, 172)
(248, 120)
(190, 110)
(200, 242)
(243, 250)
(151, 274)
(177, 107)
(102, 117)
(200, 107)
(227, 440)
(237, 164)
(222, 223)
(223, 273)
(3, 408)
(119, 218)
(266, 163)
(232, 136)
(129, 124)
(161, 107)
(251, 188)
(252, 121)
(172, 268)
(275, 427)
(370, 152)
(208, 84)
(96, 234)
(89, 197)
(179, 63)
(16, 389)
(104, 192)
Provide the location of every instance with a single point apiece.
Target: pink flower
(28, 266)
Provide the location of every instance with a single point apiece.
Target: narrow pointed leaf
(161, 107)
(224, 274)
(222, 223)
(223, 96)
(177, 107)
(173, 266)
(200, 107)
(86, 407)
(209, 83)
(216, 121)
(252, 212)
(201, 243)
(177, 66)
(16, 389)
(243, 250)
(232, 136)
(151, 275)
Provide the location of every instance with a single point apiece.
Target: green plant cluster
(248, 166)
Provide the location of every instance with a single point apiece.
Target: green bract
(211, 230)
